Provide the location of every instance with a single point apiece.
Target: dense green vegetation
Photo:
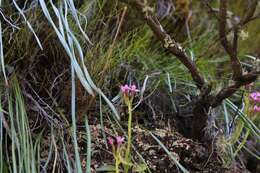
(63, 63)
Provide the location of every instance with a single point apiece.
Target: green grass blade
(184, 170)
(257, 156)
(84, 78)
(28, 23)
(226, 116)
(14, 139)
(68, 166)
(74, 127)
(75, 16)
(1, 137)
(2, 53)
(248, 123)
(102, 121)
(88, 164)
(86, 73)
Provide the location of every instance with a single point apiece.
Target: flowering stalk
(117, 164)
(255, 96)
(128, 149)
(128, 95)
(116, 144)
(117, 160)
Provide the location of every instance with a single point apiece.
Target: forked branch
(169, 43)
(230, 90)
(172, 46)
(250, 12)
(205, 99)
(230, 49)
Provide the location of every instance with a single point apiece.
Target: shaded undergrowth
(63, 64)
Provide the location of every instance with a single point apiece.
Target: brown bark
(205, 99)
(169, 43)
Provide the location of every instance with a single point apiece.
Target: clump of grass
(23, 150)
(79, 37)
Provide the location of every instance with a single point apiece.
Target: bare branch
(211, 11)
(235, 41)
(230, 90)
(250, 12)
(257, 16)
(235, 63)
(222, 26)
(169, 43)
(239, 78)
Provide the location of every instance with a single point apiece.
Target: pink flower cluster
(116, 140)
(126, 89)
(255, 96)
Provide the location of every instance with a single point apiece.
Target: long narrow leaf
(73, 115)
(226, 116)
(248, 123)
(88, 164)
(184, 170)
(1, 137)
(2, 53)
(85, 78)
(74, 14)
(28, 23)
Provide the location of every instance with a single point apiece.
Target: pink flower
(256, 108)
(126, 89)
(133, 89)
(119, 140)
(255, 96)
(111, 141)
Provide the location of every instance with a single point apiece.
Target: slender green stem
(128, 149)
(117, 164)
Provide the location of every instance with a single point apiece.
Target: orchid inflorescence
(128, 93)
(117, 141)
(255, 97)
(129, 90)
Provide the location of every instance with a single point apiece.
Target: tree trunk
(199, 121)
